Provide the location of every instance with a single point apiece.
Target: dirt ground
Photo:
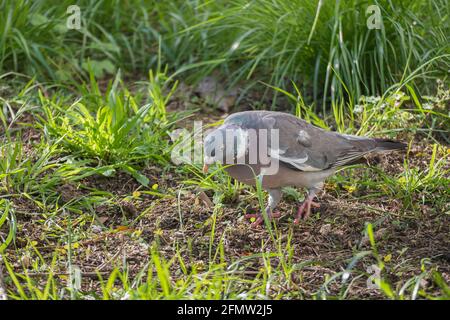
(122, 230)
(324, 244)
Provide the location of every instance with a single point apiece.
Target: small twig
(180, 215)
(104, 264)
(3, 295)
(206, 200)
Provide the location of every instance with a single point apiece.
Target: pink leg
(260, 219)
(274, 198)
(305, 209)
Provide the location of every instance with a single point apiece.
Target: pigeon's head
(225, 145)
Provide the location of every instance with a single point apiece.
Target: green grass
(177, 278)
(113, 128)
(81, 137)
(114, 35)
(325, 47)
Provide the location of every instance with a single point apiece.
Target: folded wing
(305, 147)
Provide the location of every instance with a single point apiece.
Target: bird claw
(305, 210)
(260, 218)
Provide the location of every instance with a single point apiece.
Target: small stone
(325, 229)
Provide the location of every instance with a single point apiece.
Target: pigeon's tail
(388, 145)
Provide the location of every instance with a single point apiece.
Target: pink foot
(260, 219)
(305, 210)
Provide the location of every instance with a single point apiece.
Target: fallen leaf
(103, 219)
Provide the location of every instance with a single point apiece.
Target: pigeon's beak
(205, 168)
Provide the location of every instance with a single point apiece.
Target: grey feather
(307, 155)
(305, 147)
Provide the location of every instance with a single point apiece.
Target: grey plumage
(306, 154)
